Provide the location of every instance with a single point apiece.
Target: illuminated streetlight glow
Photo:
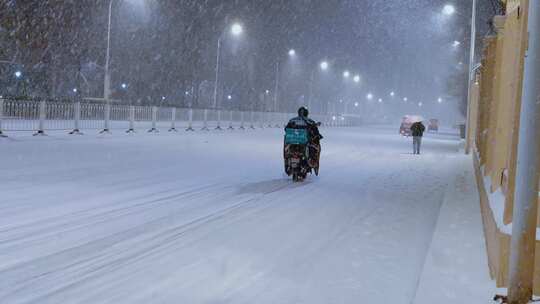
(439, 100)
(18, 74)
(237, 29)
(357, 78)
(346, 74)
(267, 92)
(369, 96)
(163, 98)
(392, 94)
(324, 65)
(380, 100)
(449, 9)
(356, 104)
(456, 43)
(405, 98)
(124, 86)
(74, 90)
(229, 97)
(292, 52)
(420, 104)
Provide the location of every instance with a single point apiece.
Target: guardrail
(42, 116)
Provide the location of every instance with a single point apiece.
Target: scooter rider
(303, 122)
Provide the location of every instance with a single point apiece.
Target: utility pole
(523, 240)
(471, 77)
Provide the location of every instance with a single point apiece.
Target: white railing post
(154, 120)
(173, 120)
(231, 120)
(1, 117)
(190, 120)
(131, 120)
(242, 121)
(205, 122)
(42, 117)
(261, 120)
(218, 120)
(106, 121)
(252, 125)
(76, 119)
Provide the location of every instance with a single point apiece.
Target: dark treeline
(159, 48)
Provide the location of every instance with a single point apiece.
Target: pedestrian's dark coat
(417, 129)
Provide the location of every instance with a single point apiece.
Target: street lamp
(356, 104)
(456, 43)
(439, 100)
(392, 94)
(449, 9)
(229, 97)
(356, 78)
(380, 100)
(324, 65)
(405, 99)
(292, 54)
(107, 78)
(420, 104)
(75, 90)
(124, 86)
(346, 74)
(236, 30)
(18, 74)
(369, 96)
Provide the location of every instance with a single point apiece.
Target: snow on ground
(455, 270)
(210, 218)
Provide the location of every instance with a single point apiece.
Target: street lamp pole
(218, 58)
(277, 88)
(236, 30)
(310, 97)
(107, 80)
(471, 76)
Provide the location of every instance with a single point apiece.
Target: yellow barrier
(494, 123)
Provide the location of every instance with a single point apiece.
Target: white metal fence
(43, 116)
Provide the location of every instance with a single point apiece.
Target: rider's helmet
(303, 112)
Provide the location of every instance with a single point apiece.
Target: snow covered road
(210, 218)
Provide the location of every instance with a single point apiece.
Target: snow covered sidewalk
(456, 268)
(210, 218)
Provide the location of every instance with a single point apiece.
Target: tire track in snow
(97, 215)
(17, 275)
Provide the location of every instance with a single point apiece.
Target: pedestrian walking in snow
(417, 131)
